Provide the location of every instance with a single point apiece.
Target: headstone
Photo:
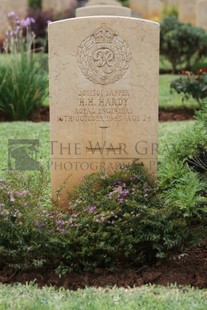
(202, 14)
(171, 2)
(139, 8)
(150, 9)
(154, 9)
(187, 11)
(59, 5)
(103, 7)
(104, 73)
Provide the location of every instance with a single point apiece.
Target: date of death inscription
(103, 105)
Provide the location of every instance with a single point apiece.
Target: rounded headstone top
(103, 2)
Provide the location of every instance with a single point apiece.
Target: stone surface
(202, 13)
(171, 2)
(59, 5)
(105, 2)
(150, 9)
(154, 9)
(103, 7)
(104, 75)
(139, 8)
(187, 11)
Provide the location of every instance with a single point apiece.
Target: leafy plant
(170, 11)
(192, 85)
(23, 83)
(182, 44)
(113, 220)
(35, 4)
(183, 177)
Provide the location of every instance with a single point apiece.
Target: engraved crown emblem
(104, 35)
(103, 57)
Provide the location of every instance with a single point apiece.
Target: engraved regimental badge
(104, 57)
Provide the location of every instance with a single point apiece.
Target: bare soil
(186, 268)
(175, 115)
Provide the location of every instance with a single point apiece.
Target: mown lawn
(170, 100)
(19, 297)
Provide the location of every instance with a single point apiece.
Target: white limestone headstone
(104, 73)
(202, 14)
(103, 7)
(187, 11)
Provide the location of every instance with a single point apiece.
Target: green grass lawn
(19, 297)
(172, 100)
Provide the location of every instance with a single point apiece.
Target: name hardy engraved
(96, 98)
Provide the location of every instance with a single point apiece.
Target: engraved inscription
(104, 117)
(104, 105)
(104, 57)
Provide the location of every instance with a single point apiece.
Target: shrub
(170, 11)
(35, 4)
(113, 220)
(182, 44)
(192, 85)
(183, 177)
(23, 83)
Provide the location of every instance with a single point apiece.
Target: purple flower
(38, 225)
(20, 194)
(27, 22)
(91, 209)
(125, 192)
(11, 14)
(118, 183)
(60, 223)
(11, 198)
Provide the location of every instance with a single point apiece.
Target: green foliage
(23, 87)
(170, 11)
(192, 85)
(113, 220)
(183, 176)
(29, 296)
(172, 100)
(182, 44)
(35, 4)
(23, 82)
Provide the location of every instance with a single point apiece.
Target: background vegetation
(21, 297)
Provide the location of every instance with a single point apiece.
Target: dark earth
(186, 268)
